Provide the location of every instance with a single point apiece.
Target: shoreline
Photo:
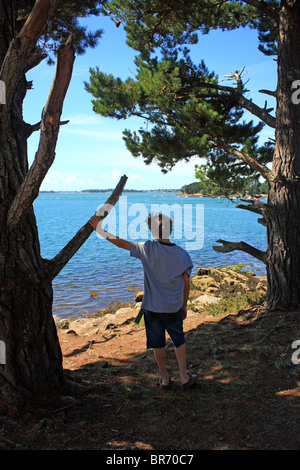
(231, 196)
(208, 286)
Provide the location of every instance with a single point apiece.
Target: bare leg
(160, 357)
(181, 359)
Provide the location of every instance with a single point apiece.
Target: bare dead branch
(250, 208)
(45, 154)
(242, 246)
(262, 222)
(36, 127)
(253, 207)
(55, 265)
(268, 92)
(35, 59)
(256, 206)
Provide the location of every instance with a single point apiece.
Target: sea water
(100, 274)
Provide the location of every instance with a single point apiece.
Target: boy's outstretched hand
(94, 221)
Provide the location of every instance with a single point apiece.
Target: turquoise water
(110, 271)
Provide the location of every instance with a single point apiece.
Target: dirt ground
(246, 396)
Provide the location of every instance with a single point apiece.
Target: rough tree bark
(33, 360)
(281, 215)
(283, 226)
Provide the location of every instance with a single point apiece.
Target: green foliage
(209, 186)
(64, 21)
(184, 109)
(151, 24)
(230, 304)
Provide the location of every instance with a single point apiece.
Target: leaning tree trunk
(283, 215)
(33, 361)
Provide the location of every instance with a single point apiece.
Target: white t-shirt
(164, 265)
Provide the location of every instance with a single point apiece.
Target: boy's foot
(167, 386)
(191, 381)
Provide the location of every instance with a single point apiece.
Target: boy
(167, 269)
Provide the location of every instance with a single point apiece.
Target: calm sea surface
(110, 272)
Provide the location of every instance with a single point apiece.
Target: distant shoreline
(96, 191)
(230, 196)
(177, 191)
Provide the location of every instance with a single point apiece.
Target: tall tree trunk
(33, 362)
(283, 217)
(33, 359)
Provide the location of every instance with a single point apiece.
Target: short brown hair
(160, 224)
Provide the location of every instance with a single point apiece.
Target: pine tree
(29, 33)
(190, 113)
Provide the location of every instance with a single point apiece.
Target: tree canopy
(64, 21)
(186, 111)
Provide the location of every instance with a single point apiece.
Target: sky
(90, 152)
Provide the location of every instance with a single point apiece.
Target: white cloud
(99, 134)
(133, 176)
(83, 119)
(116, 174)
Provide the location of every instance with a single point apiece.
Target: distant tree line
(208, 188)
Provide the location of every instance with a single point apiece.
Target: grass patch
(230, 304)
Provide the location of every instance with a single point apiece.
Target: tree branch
(237, 96)
(20, 49)
(252, 162)
(268, 92)
(45, 154)
(36, 127)
(264, 7)
(261, 113)
(55, 265)
(242, 246)
(256, 206)
(253, 205)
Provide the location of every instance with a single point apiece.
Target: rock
(206, 299)
(205, 282)
(124, 315)
(93, 326)
(61, 323)
(84, 326)
(211, 290)
(139, 296)
(203, 271)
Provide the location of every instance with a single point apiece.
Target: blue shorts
(157, 324)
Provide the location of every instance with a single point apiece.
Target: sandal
(190, 382)
(165, 387)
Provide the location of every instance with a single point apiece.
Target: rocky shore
(209, 286)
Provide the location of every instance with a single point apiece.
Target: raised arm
(95, 222)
